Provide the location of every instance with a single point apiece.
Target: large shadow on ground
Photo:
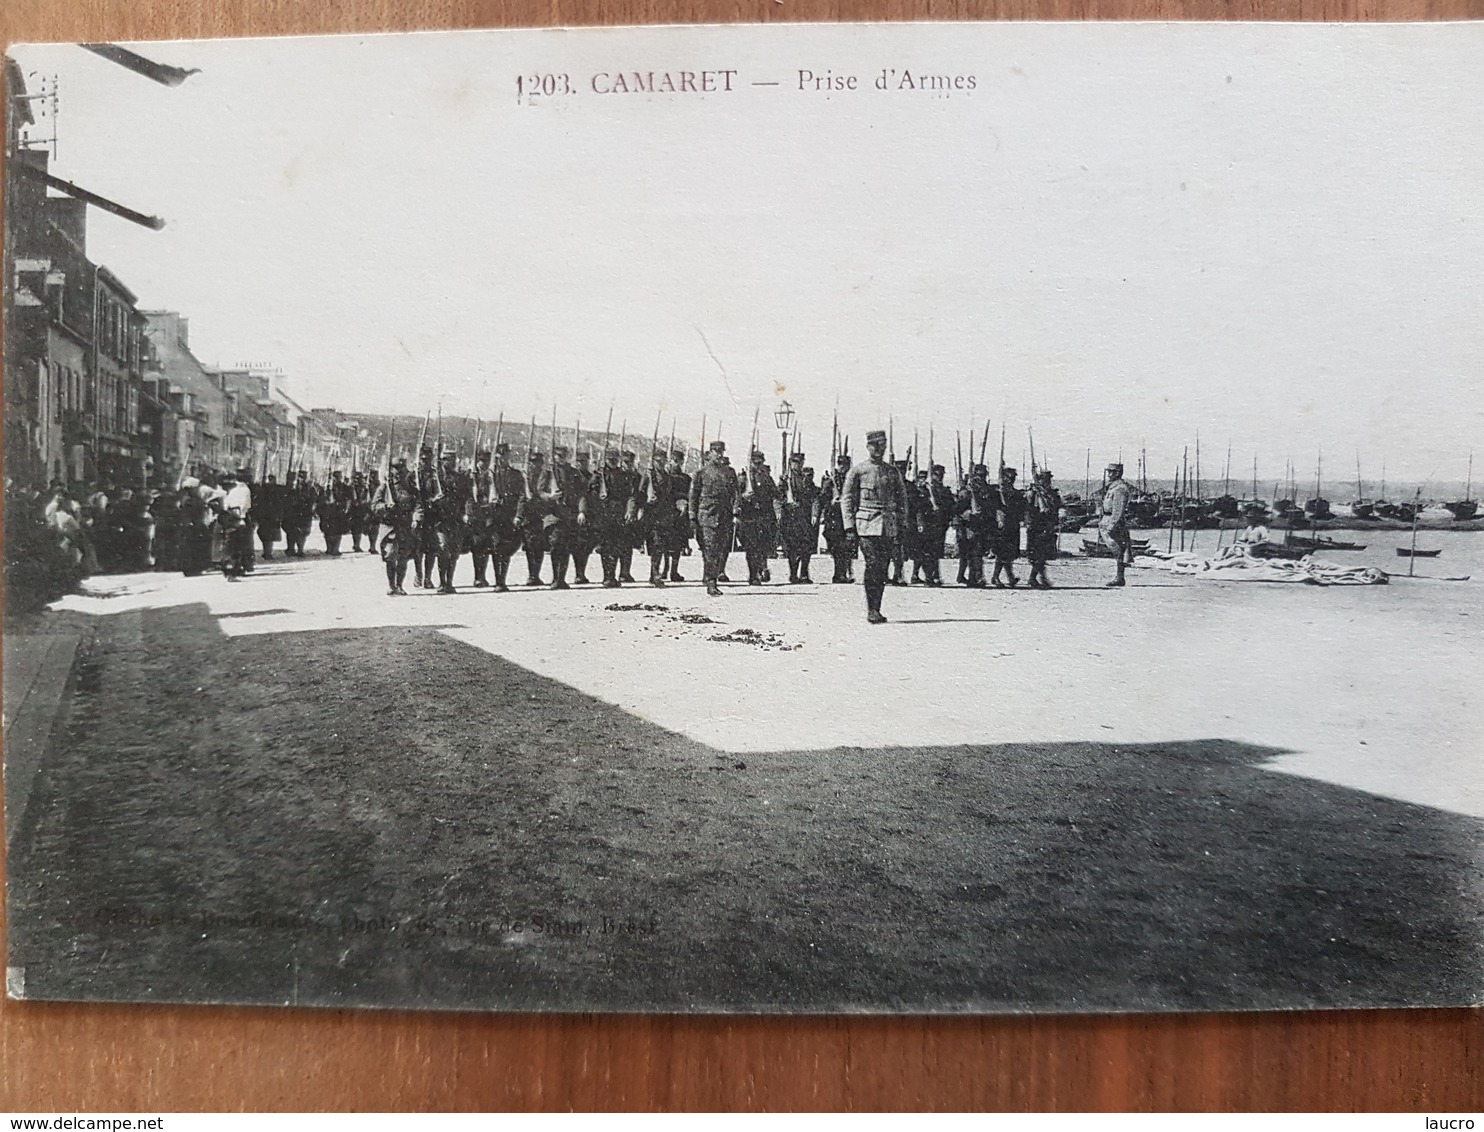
(391, 817)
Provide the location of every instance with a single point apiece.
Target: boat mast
(1359, 494)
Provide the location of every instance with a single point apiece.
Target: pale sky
(1125, 233)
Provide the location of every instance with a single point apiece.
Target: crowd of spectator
(56, 538)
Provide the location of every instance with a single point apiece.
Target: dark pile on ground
(392, 817)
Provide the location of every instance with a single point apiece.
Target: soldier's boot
(481, 562)
(579, 568)
(533, 567)
(657, 571)
(674, 573)
(401, 578)
(502, 570)
(447, 563)
(559, 571)
(391, 579)
(793, 572)
(626, 565)
(610, 570)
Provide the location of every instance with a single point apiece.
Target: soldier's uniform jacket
(1009, 507)
(484, 489)
(394, 498)
(874, 500)
(713, 494)
(455, 496)
(506, 490)
(1009, 511)
(830, 495)
(804, 510)
(757, 499)
(617, 491)
(942, 515)
(1043, 506)
(657, 496)
(1115, 505)
(564, 495)
(976, 506)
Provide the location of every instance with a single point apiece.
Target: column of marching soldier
(428, 515)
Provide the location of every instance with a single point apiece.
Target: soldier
(529, 519)
(584, 539)
(874, 507)
(800, 519)
(902, 548)
(424, 548)
(677, 525)
(1043, 510)
(334, 513)
(358, 510)
(393, 505)
(657, 515)
(508, 495)
(837, 540)
(633, 528)
(1009, 513)
(373, 524)
(976, 512)
(917, 492)
(935, 513)
(450, 516)
(268, 509)
(298, 509)
(1114, 521)
(564, 501)
(713, 503)
(480, 532)
(758, 510)
(608, 508)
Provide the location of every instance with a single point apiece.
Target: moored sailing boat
(1468, 507)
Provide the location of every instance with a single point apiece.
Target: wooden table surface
(151, 1058)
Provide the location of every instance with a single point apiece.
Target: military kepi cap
(797, 458)
(876, 436)
(718, 446)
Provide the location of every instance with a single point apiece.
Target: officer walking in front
(713, 502)
(873, 509)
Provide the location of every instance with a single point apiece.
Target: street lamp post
(783, 417)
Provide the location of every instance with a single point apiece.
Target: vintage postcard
(931, 518)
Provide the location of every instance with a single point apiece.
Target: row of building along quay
(101, 393)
